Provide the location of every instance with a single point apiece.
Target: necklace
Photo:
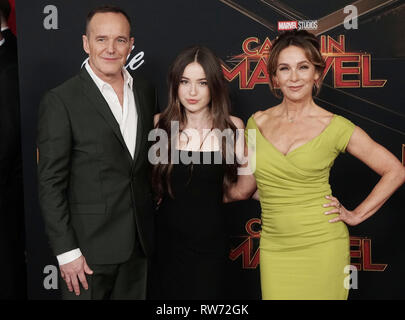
(203, 140)
(290, 120)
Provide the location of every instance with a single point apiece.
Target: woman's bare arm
(245, 186)
(384, 163)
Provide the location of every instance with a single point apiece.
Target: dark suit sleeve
(54, 142)
(9, 125)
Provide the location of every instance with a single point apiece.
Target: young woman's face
(193, 91)
(295, 74)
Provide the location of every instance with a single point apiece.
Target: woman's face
(295, 74)
(193, 91)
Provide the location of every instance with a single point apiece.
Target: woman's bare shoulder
(262, 116)
(324, 115)
(239, 124)
(156, 118)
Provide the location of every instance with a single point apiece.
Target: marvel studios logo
(300, 25)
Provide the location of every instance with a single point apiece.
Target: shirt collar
(128, 80)
(4, 29)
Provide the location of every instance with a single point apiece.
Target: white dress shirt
(126, 117)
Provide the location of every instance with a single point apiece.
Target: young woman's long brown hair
(219, 109)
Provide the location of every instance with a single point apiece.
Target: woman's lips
(192, 101)
(295, 88)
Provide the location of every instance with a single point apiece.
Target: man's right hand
(73, 272)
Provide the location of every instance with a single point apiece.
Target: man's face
(108, 44)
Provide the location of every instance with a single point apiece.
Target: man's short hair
(105, 9)
(5, 9)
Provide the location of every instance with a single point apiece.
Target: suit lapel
(101, 106)
(139, 128)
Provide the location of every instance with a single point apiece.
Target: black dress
(192, 241)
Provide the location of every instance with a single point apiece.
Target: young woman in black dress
(192, 243)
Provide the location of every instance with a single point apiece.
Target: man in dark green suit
(93, 168)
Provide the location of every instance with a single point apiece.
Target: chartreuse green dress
(302, 255)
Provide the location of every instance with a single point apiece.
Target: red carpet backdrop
(363, 82)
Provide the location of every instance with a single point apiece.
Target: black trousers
(12, 242)
(125, 281)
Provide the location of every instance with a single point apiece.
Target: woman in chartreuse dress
(304, 244)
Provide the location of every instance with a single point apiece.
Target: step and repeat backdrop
(363, 46)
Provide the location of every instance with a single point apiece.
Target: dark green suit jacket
(92, 194)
